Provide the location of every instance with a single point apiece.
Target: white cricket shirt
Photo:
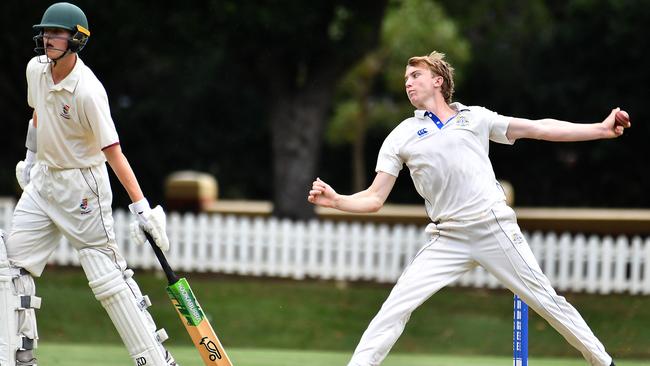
(74, 120)
(449, 166)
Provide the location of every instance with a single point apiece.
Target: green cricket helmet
(64, 16)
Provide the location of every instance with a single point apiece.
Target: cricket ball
(622, 117)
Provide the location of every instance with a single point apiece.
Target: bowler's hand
(616, 123)
(322, 194)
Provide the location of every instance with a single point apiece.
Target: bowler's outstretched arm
(561, 131)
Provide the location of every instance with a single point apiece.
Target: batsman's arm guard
(30, 142)
(24, 167)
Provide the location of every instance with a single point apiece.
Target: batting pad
(121, 297)
(18, 333)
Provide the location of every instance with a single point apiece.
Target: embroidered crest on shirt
(422, 132)
(65, 111)
(462, 121)
(83, 207)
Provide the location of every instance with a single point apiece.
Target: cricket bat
(203, 336)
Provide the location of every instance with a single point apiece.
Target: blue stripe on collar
(435, 119)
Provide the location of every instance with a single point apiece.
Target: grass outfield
(113, 355)
(254, 313)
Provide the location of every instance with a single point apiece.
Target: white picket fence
(363, 251)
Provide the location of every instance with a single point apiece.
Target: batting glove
(152, 221)
(23, 169)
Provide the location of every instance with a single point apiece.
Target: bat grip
(171, 276)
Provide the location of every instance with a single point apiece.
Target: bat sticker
(211, 347)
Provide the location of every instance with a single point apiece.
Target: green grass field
(251, 315)
(113, 355)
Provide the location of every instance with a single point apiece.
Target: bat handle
(171, 276)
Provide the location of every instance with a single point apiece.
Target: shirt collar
(459, 107)
(70, 82)
(419, 113)
(456, 106)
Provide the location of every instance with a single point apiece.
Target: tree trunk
(297, 122)
(301, 84)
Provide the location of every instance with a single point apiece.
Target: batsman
(66, 192)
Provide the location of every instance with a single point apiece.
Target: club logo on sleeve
(65, 111)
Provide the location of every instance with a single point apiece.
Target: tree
(372, 93)
(209, 85)
(571, 60)
(298, 52)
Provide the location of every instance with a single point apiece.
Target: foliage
(570, 60)
(192, 86)
(372, 93)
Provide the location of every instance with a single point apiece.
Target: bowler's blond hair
(435, 61)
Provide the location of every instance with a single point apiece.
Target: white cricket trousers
(75, 203)
(496, 243)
